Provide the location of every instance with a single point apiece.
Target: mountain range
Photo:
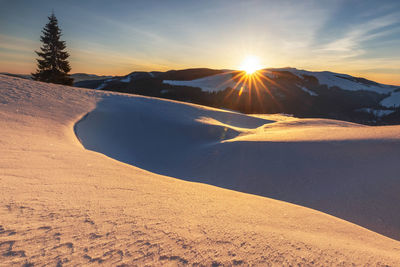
(78, 77)
(275, 90)
(301, 93)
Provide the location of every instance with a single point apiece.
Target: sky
(356, 37)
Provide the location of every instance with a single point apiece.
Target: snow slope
(344, 81)
(211, 83)
(308, 91)
(218, 82)
(310, 162)
(222, 81)
(376, 112)
(104, 84)
(272, 76)
(392, 101)
(63, 204)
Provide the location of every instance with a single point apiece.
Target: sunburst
(252, 79)
(250, 65)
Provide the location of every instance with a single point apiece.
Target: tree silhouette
(52, 64)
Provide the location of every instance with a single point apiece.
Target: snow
(377, 112)
(64, 203)
(211, 83)
(218, 82)
(305, 89)
(331, 79)
(127, 79)
(267, 73)
(393, 101)
(222, 81)
(102, 85)
(159, 136)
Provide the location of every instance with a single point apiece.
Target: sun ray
(250, 82)
(250, 65)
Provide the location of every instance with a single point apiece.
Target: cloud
(351, 44)
(17, 44)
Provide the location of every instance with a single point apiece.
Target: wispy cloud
(17, 44)
(351, 44)
(340, 35)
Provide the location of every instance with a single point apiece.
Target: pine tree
(52, 66)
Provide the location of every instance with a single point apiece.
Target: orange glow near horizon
(121, 68)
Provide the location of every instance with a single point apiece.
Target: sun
(250, 65)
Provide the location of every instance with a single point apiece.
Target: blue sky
(116, 37)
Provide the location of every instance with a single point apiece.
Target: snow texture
(211, 83)
(308, 91)
(104, 84)
(393, 101)
(63, 204)
(270, 154)
(346, 82)
(127, 79)
(377, 112)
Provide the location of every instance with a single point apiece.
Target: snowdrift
(344, 169)
(62, 204)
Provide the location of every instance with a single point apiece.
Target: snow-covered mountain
(331, 79)
(343, 81)
(279, 90)
(88, 77)
(211, 83)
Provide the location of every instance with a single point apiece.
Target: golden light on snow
(123, 207)
(250, 65)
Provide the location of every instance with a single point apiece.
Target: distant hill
(23, 76)
(279, 90)
(78, 77)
